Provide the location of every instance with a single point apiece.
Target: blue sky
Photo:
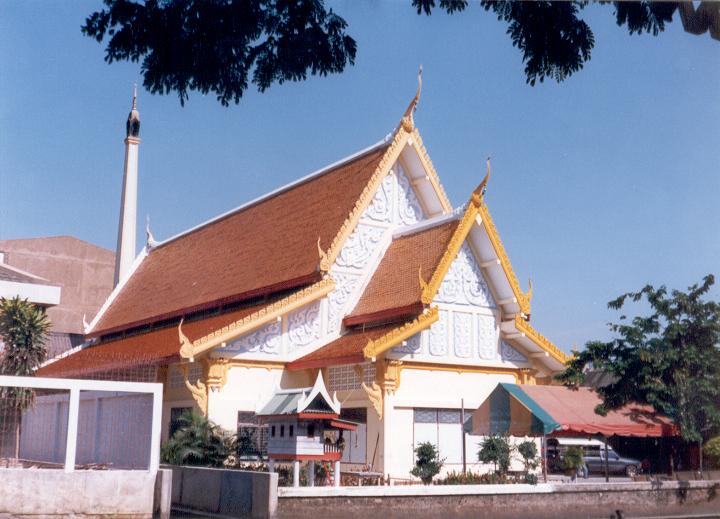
(601, 184)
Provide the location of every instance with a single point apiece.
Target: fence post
(155, 435)
(72, 429)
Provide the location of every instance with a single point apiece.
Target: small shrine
(304, 425)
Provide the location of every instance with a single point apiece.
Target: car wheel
(631, 471)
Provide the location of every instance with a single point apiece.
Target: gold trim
(250, 364)
(375, 347)
(199, 390)
(324, 264)
(531, 333)
(386, 162)
(257, 319)
(217, 371)
(455, 368)
(388, 374)
(430, 169)
(375, 395)
(523, 298)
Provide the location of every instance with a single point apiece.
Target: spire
(127, 227)
(133, 121)
(479, 191)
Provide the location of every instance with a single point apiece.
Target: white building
(363, 270)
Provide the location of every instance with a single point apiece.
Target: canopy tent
(524, 410)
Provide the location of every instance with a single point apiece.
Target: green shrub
(496, 450)
(472, 478)
(712, 451)
(428, 462)
(198, 442)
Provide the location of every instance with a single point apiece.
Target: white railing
(74, 387)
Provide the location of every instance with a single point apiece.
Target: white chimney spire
(127, 228)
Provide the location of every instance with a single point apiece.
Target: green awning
(508, 410)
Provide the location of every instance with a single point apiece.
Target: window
(344, 378)
(252, 436)
(290, 432)
(311, 430)
(442, 428)
(175, 414)
(282, 431)
(273, 432)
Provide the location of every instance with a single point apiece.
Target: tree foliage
(573, 459)
(23, 330)
(198, 442)
(496, 450)
(555, 42)
(669, 359)
(427, 462)
(221, 46)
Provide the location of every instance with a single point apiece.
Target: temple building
(362, 271)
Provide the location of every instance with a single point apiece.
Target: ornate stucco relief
(381, 207)
(439, 335)
(266, 339)
(303, 326)
(462, 334)
(345, 285)
(509, 353)
(487, 337)
(464, 283)
(409, 210)
(360, 246)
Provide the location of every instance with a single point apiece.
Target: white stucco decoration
(462, 334)
(464, 283)
(359, 247)
(381, 207)
(409, 210)
(507, 352)
(304, 325)
(266, 339)
(439, 335)
(487, 337)
(345, 286)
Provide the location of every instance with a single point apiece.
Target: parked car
(594, 454)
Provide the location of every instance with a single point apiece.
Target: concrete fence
(544, 501)
(229, 493)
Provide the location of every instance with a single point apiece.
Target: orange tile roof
(259, 249)
(347, 349)
(159, 346)
(394, 290)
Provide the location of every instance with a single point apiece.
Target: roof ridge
(282, 189)
(22, 272)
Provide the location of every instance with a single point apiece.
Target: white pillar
(388, 416)
(296, 473)
(337, 473)
(72, 429)
(127, 228)
(271, 465)
(311, 473)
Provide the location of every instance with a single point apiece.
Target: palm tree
(198, 441)
(23, 330)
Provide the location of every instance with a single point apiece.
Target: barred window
(252, 436)
(176, 378)
(344, 378)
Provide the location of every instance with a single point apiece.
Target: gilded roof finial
(407, 122)
(324, 260)
(479, 191)
(134, 106)
(187, 349)
(150, 241)
(529, 292)
(423, 283)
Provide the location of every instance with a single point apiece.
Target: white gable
(464, 283)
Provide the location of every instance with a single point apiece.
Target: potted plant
(573, 461)
(428, 462)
